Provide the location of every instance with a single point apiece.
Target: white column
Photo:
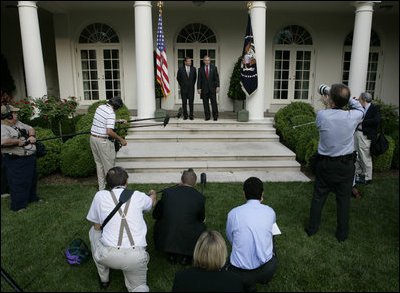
(32, 49)
(146, 101)
(255, 102)
(360, 48)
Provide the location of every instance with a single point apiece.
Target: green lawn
(33, 242)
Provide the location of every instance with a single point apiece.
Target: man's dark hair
(186, 58)
(340, 94)
(189, 177)
(116, 102)
(116, 176)
(253, 188)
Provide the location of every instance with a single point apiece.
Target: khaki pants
(104, 156)
(132, 262)
(364, 160)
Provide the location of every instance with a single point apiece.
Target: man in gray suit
(208, 88)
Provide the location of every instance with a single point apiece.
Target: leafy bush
(50, 162)
(389, 116)
(235, 91)
(303, 137)
(76, 159)
(295, 108)
(311, 148)
(85, 123)
(395, 160)
(384, 162)
(290, 135)
(92, 108)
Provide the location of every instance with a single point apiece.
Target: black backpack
(379, 145)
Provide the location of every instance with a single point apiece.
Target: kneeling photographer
(19, 158)
(334, 164)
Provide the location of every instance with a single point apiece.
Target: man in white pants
(122, 242)
(102, 148)
(366, 132)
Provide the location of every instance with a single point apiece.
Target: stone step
(211, 176)
(204, 166)
(206, 136)
(204, 151)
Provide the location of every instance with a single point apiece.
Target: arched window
(98, 33)
(196, 32)
(373, 61)
(293, 64)
(293, 35)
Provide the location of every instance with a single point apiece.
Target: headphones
(7, 115)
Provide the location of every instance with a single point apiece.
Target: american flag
(162, 66)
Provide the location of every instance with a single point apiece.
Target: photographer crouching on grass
(19, 158)
(334, 165)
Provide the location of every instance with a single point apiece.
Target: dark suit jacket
(208, 85)
(372, 118)
(179, 215)
(200, 280)
(187, 83)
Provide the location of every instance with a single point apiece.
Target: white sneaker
(5, 195)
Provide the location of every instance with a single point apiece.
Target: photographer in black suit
(187, 78)
(208, 88)
(180, 215)
(366, 132)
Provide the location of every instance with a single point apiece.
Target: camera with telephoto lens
(324, 90)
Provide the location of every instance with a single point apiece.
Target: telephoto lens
(324, 90)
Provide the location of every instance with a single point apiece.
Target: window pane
(95, 85)
(107, 64)
(92, 54)
(84, 54)
(85, 65)
(211, 54)
(109, 94)
(115, 54)
(115, 64)
(86, 95)
(107, 54)
(285, 74)
(95, 95)
(115, 74)
(93, 65)
(284, 95)
(109, 85)
(181, 53)
(107, 74)
(286, 55)
(116, 85)
(85, 75)
(93, 74)
(86, 85)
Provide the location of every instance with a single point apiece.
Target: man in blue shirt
(335, 163)
(249, 230)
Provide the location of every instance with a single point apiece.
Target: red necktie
(207, 72)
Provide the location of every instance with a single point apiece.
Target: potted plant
(236, 93)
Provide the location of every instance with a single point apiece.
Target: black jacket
(187, 83)
(200, 280)
(179, 215)
(208, 85)
(372, 118)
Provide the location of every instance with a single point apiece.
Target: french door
(196, 52)
(99, 72)
(293, 74)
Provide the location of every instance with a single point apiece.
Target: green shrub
(311, 148)
(50, 162)
(235, 91)
(40, 122)
(389, 116)
(76, 159)
(395, 160)
(384, 162)
(92, 108)
(290, 135)
(84, 124)
(304, 136)
(293, 109)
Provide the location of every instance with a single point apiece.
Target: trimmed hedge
(384, 162)
(76, 159)
(291, 110)
(311, 148)
(290, 135)
(50, 162)
(395, 160)
(304, 136)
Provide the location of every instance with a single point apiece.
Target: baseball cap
(11, 109)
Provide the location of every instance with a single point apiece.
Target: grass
(33, 242)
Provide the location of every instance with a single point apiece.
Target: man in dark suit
(366, 132)
(208, 88)
(187, 78)
(180, 215)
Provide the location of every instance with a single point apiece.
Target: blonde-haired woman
(208, 274)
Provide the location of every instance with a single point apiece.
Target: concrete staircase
(226, 150)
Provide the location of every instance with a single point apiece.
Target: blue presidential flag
(248, 71)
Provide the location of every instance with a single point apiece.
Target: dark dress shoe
(185, 118)
(186, 260)
(207, 119)
(172, 259)
(215, 119)
(103, 285)
(191, 118)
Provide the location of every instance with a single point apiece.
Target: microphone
(203, 180)
(166, 120)
(180, 111)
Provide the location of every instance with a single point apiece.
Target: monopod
(300, 125)
(203, 180)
